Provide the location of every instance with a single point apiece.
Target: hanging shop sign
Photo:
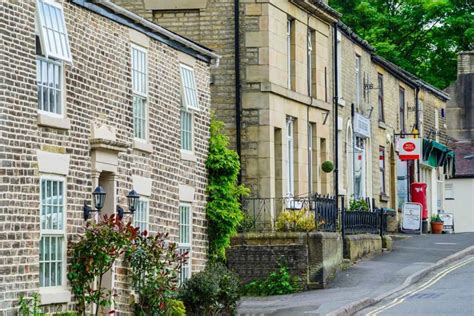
(409, 148)
(361, 125)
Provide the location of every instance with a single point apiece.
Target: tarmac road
(448, 291)
(367, 279)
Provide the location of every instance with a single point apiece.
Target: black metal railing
(326, 212)
(261, 213)
(371, 221)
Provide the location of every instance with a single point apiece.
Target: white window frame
(62, 98)
(191, 114)
(143, 95)
(192, 89)
(310, 61)
(186, 246)
(44, 37)
(55, 233)
(290, 172)
(339, 65)
(288, 49)
(310, 158)
(146, 222)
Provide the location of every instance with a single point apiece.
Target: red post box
(418, 195)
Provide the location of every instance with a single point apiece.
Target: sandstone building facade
(284, 68)
(91, 95)
(273, 88)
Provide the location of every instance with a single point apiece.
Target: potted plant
(436, 224)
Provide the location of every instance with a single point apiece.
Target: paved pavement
(449, 291)
(366, 279)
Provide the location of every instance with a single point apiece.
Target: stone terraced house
(276, 91)
(273, 88)
(93, 95)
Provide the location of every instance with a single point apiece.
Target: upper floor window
(189, 90)
(185, 233)
(52, 232)
(402, 109)
(339, 65)
(290, 189)
(380, 97)
(311, 69)
(52, 30)
(290, 46)
(49, 79)
(140, 91)
(190, 103)
(358, 79)
(186, 130)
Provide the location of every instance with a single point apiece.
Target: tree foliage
(223, 207)
(421, 36)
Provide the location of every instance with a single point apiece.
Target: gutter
(238, 99)
(155, 27)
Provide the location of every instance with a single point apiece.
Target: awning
(436, 154)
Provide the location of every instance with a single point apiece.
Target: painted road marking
(445, 243)
(422, 287)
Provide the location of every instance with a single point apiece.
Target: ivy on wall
(223, 208)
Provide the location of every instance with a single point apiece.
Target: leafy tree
(421, 36)
(223, 207)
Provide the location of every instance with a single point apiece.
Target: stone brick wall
(213, 27)
(98, 91)
(313, 258)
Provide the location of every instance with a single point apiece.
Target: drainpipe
(417, 125)
(336, 129)
(238, 100)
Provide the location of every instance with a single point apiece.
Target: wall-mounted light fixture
(99, 195)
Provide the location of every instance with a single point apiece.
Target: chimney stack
(466, 63)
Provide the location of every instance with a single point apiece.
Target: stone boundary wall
(314, 257)
(358, 246)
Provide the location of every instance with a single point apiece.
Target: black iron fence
(367, 221)
(261, 213)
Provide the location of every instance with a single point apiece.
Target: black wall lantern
(99, 195)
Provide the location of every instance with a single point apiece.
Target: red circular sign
(409, 147)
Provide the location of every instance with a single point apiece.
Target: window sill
(55, 295)
(188, 156)
(52, 121)
(142, 146)
(382, 125)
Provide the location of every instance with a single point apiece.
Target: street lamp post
(99, 195)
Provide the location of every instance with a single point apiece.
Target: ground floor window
(185, 236)
(52, 231)
(359, 167)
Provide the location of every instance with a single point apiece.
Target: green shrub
(175, 308)
(327, 166)
(435, 218)
(276, 283)
(154, 270)
(223, 206)
(296, 221)
(214, 291)
(358, 205)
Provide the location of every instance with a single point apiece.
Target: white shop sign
(409, 148)
(361, 125)
(411, 217)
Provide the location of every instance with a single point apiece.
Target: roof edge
(152, 30)
(353, 35)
